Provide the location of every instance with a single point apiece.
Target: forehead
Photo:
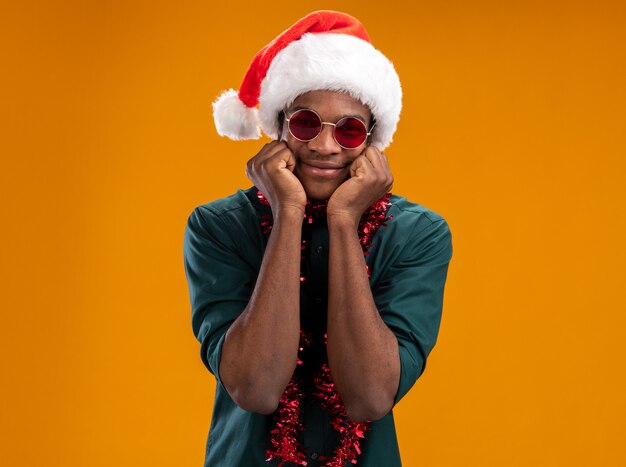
(331, 104)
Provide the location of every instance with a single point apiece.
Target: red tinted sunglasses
(349, 132)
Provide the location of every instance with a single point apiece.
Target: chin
(317, 192)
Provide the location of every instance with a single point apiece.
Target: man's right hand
(271, 171)
(260, 348)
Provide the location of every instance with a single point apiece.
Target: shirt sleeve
(410, 298)
(220, 282)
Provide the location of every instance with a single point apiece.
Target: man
(316, 294)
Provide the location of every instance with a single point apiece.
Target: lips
(321, 168)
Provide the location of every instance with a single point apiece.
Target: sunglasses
(349, 132)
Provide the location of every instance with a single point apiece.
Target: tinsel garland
(288, 416)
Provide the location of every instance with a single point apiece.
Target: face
(322, 164)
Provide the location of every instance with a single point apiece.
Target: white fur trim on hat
(333, 62)
(234, 119)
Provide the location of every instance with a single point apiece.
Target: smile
(321, 168)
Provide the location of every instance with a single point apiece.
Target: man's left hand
(370, 178)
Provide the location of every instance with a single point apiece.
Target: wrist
(288, 213)
(343, 219)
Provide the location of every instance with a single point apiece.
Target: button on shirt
(224, 245)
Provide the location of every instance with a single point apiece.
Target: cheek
(352, 155)
(297, 147)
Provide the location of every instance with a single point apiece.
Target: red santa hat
(325, 50)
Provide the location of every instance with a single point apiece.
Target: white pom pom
(234, 119)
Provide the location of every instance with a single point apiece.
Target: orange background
(512, 128)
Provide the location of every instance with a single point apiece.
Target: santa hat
(325, 50)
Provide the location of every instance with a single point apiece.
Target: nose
(325, 143)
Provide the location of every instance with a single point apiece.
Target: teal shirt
(223, 249)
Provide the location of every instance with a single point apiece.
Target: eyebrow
(302, 107)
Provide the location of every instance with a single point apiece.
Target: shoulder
(412, 218)
(231, 224)
(242, 205)
(235, 215)
(232, 204)
(412, 237)
(412, 233)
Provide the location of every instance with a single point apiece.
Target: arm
(362, 350)
(408, 296)
(260, 348)
(372, 369)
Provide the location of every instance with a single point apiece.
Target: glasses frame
(334, 125)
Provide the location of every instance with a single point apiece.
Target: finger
(266, 151)
(380, 167)
(370, 160)
(386, 170)
(267, 154)
(287, 156)
(376, 157)
(361, 166)
(272, 149)
(381, 163)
